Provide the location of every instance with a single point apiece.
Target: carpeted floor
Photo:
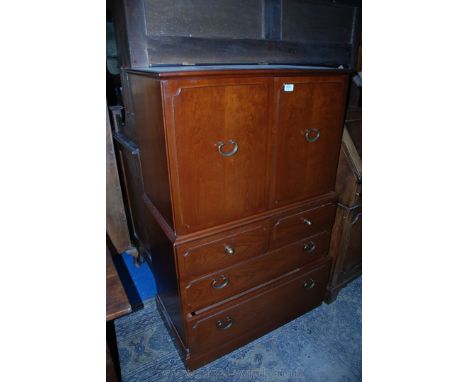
(322, 345)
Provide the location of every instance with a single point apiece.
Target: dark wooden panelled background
(307, 32)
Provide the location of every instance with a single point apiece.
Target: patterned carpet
(322, 345)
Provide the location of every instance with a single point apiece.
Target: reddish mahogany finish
(301, 223)
(238, 187)
(303, 168)
(210, 187)
(197, 258)
(267, 309)
(225, 283)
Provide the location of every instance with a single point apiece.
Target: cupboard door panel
(308, 127)
(219, 132)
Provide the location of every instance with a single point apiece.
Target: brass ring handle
(215, 285)
(307, 221)
(309, 284)
(228, 153)
(229, 249)
(309, 247)
(229, 322)
(315, 137)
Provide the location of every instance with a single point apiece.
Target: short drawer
(226, 283)
(291, 227)
(208, 255)
(266, 310)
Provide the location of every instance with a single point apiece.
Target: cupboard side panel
(149, 120)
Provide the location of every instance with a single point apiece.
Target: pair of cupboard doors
(241, 145)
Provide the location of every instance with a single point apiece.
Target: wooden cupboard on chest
(239, 169)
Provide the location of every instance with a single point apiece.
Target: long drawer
(228, 282)
(300, 224)
(271, 307)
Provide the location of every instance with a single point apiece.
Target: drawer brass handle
(221, 145)
(307, 222)
(224, 326)
(229, 249)
(315, 137)
(309, 284)
(225, 282)
(309, 247)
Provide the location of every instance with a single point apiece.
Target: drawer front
(221, 251)
(299, 225)
(268, 309)
(228, 282)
